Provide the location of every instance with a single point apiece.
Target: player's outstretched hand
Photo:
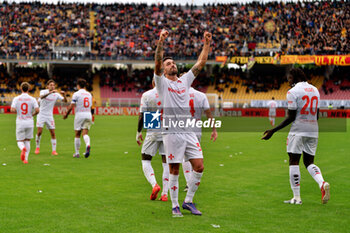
(214, 135)
(207, 37)
(139, 138)
(267, 135)
(163, 35)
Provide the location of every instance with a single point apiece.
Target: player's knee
(199, 168)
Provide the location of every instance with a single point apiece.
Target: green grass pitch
(242, 190)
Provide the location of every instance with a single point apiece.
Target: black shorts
(92, 111)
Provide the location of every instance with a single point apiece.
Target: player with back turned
(303, 110)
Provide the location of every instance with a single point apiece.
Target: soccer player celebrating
(26, 107)
(198, 103)
(153, 142)
(272, 104)
(47, 101)
(179, 142)
(82, 102)
(303, 103)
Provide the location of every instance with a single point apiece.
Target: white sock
(27, 144)
(37, 140)
(53, 143)
(174, 189)
(195, 180)
(315, 172)
(87, 140)
(20, 145)
(77, 145)
(273, 121)
(294, 178)
(148, 172)
(165, 178)
(187, 168)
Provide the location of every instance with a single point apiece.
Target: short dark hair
(81, 82)
(273, 97)
(166, 58)
(25, 86)
(50, 81)
(298, 75)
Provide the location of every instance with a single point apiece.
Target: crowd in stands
(124, 31)
(139, 79)
(65, 78)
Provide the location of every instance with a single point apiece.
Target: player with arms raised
(150, 102)
(47, 101)
(303, 103)
(82, 102)
(26, 107)
(179, 142)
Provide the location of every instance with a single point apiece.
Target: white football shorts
(82, 123)
(181, 147)
(151, 145)
(24, 133)
(48, 121)
(300, 144)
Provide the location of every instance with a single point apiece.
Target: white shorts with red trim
(181, 147)
(48, 121)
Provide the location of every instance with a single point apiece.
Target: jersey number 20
(313, 110)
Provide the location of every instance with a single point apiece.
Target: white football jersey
(198, 103)
(304, 98)
(47, 104)
(175, 97)
(24, 105)
(150, 102)
(272, 105)
(83, 101)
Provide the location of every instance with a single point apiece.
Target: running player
(26, 107)
(272, 105)
(82, 102)
(198, 103)
(179, 142)
(47, 101)
(150, 101)
(303, 110)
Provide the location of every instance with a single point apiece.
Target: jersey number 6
(86, 102)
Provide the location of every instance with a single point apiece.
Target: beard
(172, 72)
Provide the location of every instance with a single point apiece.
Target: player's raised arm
(158, 57)
(46, 95)
(203, 57)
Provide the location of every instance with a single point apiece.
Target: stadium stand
(35, 30)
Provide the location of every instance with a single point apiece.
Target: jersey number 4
(86, 102)
(313, 105)
(24, 108)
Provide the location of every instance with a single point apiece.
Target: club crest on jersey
(151, 120)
